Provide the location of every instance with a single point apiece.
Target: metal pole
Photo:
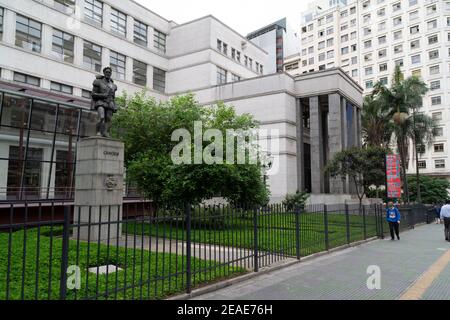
(65, 254)
(325, 221)
(297, 231)
(347, 223)
(187, 212)
(255, 239)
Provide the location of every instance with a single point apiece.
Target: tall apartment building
(367, 39)
(51, 51)
(279, 40)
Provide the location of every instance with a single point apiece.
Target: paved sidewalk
(343, 275)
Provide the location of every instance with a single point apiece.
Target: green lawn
(42, 264)
(276, 232)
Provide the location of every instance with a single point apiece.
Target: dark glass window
(118, 22)
(63, 45)
(92, 56)
(118, 65)
(159, 79)
(28, 33)
(25, 78)
(139, 73)
(93, 11)
(159, 41)
(59, 87)
(140, 33)
(66, 6)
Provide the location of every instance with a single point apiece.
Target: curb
(266, 270)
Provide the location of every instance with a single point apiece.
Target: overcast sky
(244, 16)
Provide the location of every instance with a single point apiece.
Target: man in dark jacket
(393, 217)
(103, 100)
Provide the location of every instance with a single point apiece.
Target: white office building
(51, 51)
(367, 39)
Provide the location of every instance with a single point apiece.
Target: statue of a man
(103, 100)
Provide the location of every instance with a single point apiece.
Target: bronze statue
(103, 100)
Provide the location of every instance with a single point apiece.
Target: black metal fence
(138, 253)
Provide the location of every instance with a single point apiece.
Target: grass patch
(276, 232)
(146, 275)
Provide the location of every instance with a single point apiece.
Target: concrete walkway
(417, 267)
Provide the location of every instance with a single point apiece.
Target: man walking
(445, 215)
(393, 218)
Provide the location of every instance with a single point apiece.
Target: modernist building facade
(51, 51)
(367, 39)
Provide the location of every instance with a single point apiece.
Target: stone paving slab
(343, 275)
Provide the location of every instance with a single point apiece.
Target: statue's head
(107, 72)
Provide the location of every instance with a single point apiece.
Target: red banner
(393, 174)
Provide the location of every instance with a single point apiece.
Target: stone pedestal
(99, 185)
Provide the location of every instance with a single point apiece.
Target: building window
(397, 35)
(368, 44)
(63, 46)
(412, 3)
(354, 72)
(384, 81)
(159, 79)
(381, 12)
(28, 34)
(431, 9)
(414, 30)
(397, 21)
(221, 76)
(413, 15)
(415, 59)
(398, 49)
(66, 6)
(368, 57)
(382, 53)
(117, 62)
(322, 56)
(235, 78)
(140, 33)
(439, 164)
(435, 101)
(330, 42)
(93, 11)
(398, 63)
(439, 147)
(435, 85)
(396, 6)
(86, 94)
(92, 56)
(369, 84)
(59, 87)
(118, 22)
(368, 71)
(422, 164)
(383, 67)
(382, 40)
(139, 73)
(1, 23)
(344, 50)
(439, 132)
(27, 79)
(367, 31)
(415, 44)
(434, 70)
(159, 41)
(433, 39)
(433, 54)
(432, 24)
(330, 54)
(417, 73)
(437, 116)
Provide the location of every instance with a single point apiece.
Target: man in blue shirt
(393, 218)
(445, 215)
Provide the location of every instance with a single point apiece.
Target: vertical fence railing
(65, 254)
(297, 232)
(255, 240)
(325, 222)
(188, 217)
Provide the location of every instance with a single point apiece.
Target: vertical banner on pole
(394, 181)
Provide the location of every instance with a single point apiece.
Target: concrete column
(78, 51)
(149, 76)
(46, 40)
(355, 126)
(344, 136)
(99, 185)
(150, 37)
(106, 57)
(300, 147)
(106, 16)
(130, 28)
(9, 27)
(129, 69)
(335, 137)
(317, 177)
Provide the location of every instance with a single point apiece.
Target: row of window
(28, 36)
(398, 5)
(236, 55)
(438, 164)
(222, 76)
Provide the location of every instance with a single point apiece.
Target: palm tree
(376, 125)
(402, 100)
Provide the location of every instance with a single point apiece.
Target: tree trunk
(403, 168)
(419, 192)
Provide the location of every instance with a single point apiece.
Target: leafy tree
(364, 167)
(146, 128)
(434, 190)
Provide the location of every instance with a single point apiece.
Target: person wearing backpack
(445, 216)
(393, 217)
